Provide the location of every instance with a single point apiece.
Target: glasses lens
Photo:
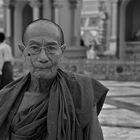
(34, 50)
(51, 49)
(48, 49)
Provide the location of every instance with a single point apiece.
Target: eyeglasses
(50, 49)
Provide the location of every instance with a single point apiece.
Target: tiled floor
(120, 117)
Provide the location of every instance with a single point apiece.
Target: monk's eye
(34, 49)
(52, 48)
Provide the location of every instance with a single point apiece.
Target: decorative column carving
(35, 4)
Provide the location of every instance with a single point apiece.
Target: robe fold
(69, 113)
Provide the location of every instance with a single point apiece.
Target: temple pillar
(114, 21)
(57, 5)
(7, 13)
(36, 9)
(74, 50)
(18, 6)
(108, 10)
(75, 7)
(8, 23)
(47, 11)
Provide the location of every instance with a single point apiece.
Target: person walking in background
(6, 62)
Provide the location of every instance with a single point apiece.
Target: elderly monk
(48, 103)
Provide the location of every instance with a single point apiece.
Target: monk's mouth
(44, 68)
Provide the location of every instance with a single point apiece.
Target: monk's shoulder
(90, 85)
(76, 77)
(85, 86)
(80, 87)
(9, 86)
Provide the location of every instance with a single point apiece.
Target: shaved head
(43, 47)
(43, 26)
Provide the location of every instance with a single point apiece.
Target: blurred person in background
(6, 62)
(49, 103)
(92, 50)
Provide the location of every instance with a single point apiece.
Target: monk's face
(43, 49)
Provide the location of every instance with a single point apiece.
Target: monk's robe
(69, 112)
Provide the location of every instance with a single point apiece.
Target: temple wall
(98, 69)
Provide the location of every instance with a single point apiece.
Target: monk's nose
(43, 56)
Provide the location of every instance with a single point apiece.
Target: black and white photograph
(69, 69)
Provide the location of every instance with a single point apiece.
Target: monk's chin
(44, 74)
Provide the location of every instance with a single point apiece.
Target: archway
(128, 26)
(132, 21)
(122, 28)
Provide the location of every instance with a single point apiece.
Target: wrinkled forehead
(46, 30)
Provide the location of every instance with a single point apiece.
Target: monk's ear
(63, 47)
(21, 47)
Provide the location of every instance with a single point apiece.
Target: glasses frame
(47, 51)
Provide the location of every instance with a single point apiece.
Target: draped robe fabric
(70, 112)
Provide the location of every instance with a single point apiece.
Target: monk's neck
(39, 85)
